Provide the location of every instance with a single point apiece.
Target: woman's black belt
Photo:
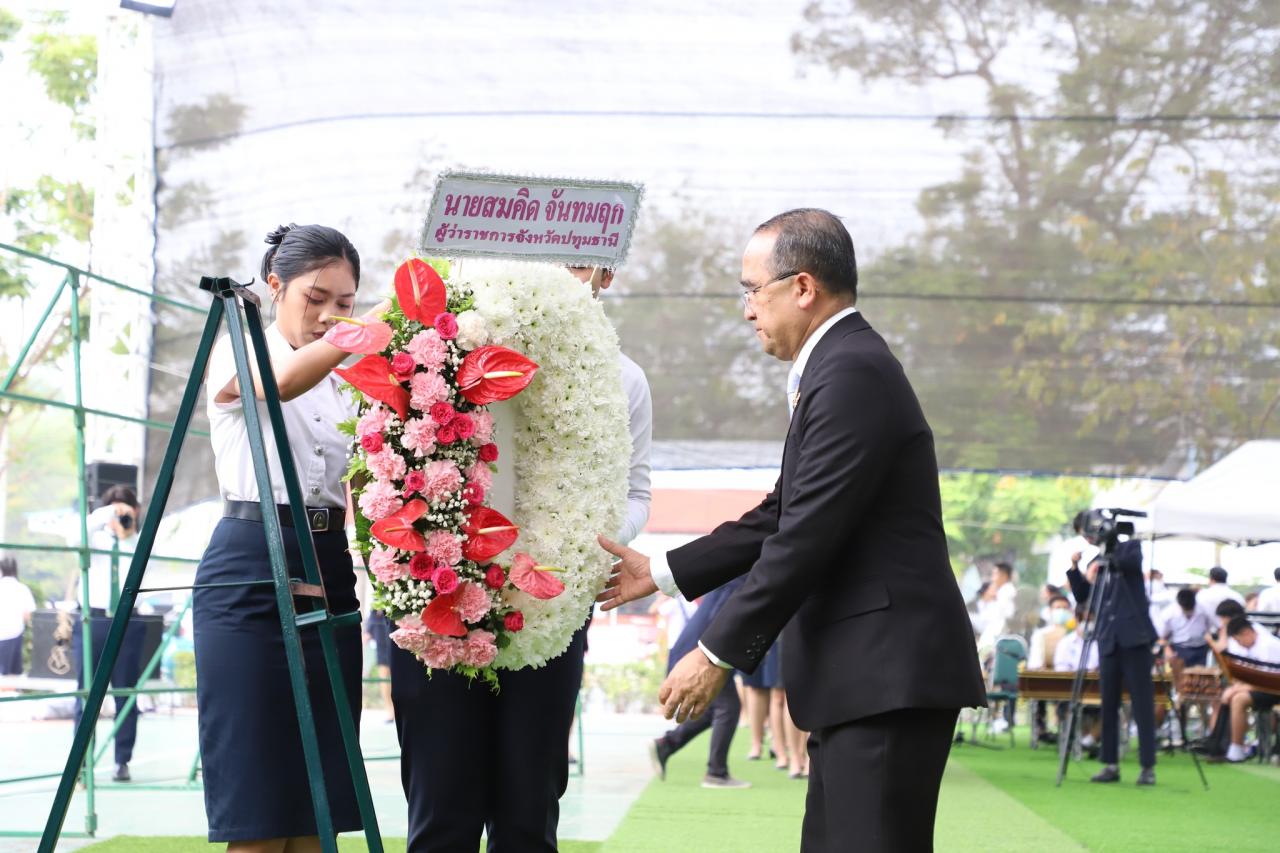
(321, 519)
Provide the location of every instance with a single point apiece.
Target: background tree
(1113, 209)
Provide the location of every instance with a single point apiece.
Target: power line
(827, 115)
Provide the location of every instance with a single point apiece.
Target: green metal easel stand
(237, 303)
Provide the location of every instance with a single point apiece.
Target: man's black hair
(1237, 624)
(1218, 574)
(1229, 607)
(1186, 598)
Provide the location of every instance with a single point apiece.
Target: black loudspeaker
(100, 476)
(53, 631)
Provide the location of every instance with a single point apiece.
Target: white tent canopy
(1235, 500)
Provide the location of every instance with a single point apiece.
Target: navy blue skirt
(255, 777)
(768, 674)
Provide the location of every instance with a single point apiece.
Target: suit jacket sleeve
(851, 432)
(1080, 586)
(726, 552)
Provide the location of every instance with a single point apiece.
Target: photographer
(113, 524)
(1124, 635)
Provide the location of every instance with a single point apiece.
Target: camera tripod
(1105, 587)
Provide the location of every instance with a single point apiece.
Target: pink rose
(478, 649)
(445, 580)
(473, 494)
(446, 325)
(414, 481)
(372, 442)
(421, 566)
(446, 434)
(402, 365)
(442, 413)
(464, 426)
(489, 452)
(495, 577)
(473, 602)
(513, 621)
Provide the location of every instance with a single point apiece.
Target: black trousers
(124, 676)
(472, 760)
(721, 717)
(1132, 667)
(873, 783)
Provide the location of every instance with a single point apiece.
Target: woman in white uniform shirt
(256, 791)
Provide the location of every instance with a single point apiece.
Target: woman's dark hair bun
(276, 237)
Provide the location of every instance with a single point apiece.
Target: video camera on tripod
(1103, 527)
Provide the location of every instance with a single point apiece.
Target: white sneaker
(1000, 725)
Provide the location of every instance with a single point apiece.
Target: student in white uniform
(1181, 627)
(1269, 598)
(1258, 644)
(255, 783)
(1216, 592)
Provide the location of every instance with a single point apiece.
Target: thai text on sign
(562, 220)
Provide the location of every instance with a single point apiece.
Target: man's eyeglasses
(749, 294)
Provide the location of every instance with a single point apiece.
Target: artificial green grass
(183, 844)
(1236, 813)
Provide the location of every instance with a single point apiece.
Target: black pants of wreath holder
(473, 760)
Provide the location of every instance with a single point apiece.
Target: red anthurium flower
(373, 377)
(536, 580)
(490, 374)
(360, 336)
(441, 617)
(397, 530)
(488, 532)
(420, 291)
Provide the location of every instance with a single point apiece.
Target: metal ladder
(237, 303)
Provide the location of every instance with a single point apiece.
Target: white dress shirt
(1269, 599)
(1180, 629)
(640, 409)
(320, 452)
(16, 604)
(1214, 594)
(1066, 657)
(659, 569)
(1266, 648)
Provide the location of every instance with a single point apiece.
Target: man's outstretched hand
(630, 579)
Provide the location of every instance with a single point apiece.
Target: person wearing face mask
(1044, 642)
(257, 797)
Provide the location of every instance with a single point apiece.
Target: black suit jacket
(847, 552)
(1124, 619)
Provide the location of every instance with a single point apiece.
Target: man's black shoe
(1147, 776)
(121, 774)
(1107, 774)
(659, 752)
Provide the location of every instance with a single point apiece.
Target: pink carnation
(379, 499)
(411, 622)
(426, 389)
(411, 641)
(372, 421)
(386, 464)
(478, 649)
(444, 547)
(382, 562)
(441, 479)
(484, 427)
(464, 426)
(446, 325)
(419, 437)
(445, 580)
(427, 349)
(480, 474)
(421, 566)
(473, 602)
(441, 652)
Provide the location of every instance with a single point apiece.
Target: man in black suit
(847, 553)
(1125, 635)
